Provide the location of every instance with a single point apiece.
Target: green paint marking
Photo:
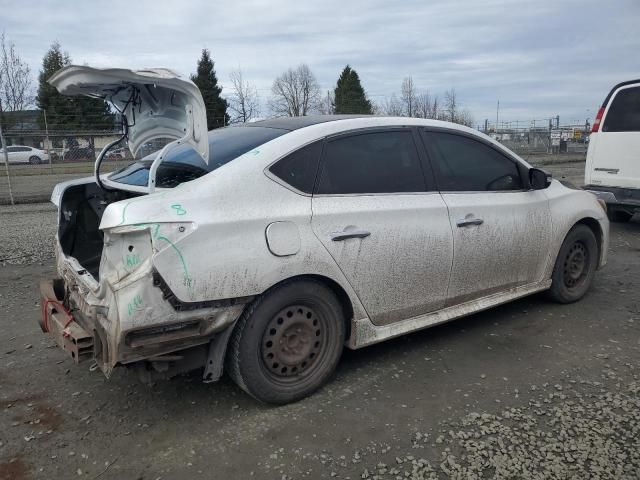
(131, 260)
(186, 277)
(155, 234)
(255, 152)
(178, 208)
(143, 197)
(134, 304)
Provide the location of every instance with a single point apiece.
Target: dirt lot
(527, 390)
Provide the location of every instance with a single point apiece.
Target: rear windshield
(624, 112)
(184, 164)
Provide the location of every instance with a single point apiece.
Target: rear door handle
(465, 222)
(340, 236)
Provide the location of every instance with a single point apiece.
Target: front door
(501, 230)
(378, 216)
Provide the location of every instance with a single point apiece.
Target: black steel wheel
(293, 342)
(288, 342)
(575, 265)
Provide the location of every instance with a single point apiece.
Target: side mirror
(539, 179)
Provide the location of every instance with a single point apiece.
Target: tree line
(295, 92)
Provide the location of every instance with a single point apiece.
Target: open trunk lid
(157, 102)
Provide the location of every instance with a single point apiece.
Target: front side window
(377, 162)
(299, 168)
(463, 164)
(624, 112)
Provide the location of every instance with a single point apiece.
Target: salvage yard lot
(531, 389)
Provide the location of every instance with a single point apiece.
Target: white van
(612, 171)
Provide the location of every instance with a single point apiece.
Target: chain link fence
(42, 151)
(551, 139)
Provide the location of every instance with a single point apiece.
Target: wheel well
(594, 225)
(335, 287)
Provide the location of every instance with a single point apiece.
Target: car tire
(35, 160)
(287, 343)
(575, 265)
(619, 216)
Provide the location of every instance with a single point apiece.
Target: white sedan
(24, 154)
(266, 248)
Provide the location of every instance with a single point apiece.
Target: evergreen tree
(207, 82)
(349, 94)
(65, 112)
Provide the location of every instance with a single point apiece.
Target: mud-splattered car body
(158, 277)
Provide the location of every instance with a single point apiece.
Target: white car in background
(612, 170)
(24, 154)
(268, 247)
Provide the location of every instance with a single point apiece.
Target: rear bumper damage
(135, 321)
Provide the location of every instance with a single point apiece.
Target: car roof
(295, 123)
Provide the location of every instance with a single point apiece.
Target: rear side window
(624, 112)
(299, 168)
(377, 162)
(463, 164)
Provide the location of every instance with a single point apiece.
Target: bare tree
(328, 104)
(464, 117)
(16, 92)
(408, 95)
(295, 93)
(435, 108)
(424, 106)
(391, 106)
(244, 102)
(451, 105)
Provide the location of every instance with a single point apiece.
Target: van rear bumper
(627, 198)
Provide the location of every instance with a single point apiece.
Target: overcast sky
(539, 58)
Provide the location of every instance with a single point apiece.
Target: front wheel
(575, 265)
(288, 342)
(34, 160)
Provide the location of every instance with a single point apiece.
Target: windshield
(184, 164)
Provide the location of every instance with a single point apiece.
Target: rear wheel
(34, 160)
(575, 265)
(619, 216)
(288, 342)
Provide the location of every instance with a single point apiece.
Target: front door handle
(340, 236)
(467, 221)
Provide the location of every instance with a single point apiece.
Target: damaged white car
(268, 247)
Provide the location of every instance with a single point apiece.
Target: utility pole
(497, 115)
(6, 155)
(46, 130)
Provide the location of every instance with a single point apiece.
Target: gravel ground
(28, 233)
(531, 389)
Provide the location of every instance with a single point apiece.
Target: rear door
(501, 230)
(384, 224)
(614, 151)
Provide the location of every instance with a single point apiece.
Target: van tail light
(596, 122)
